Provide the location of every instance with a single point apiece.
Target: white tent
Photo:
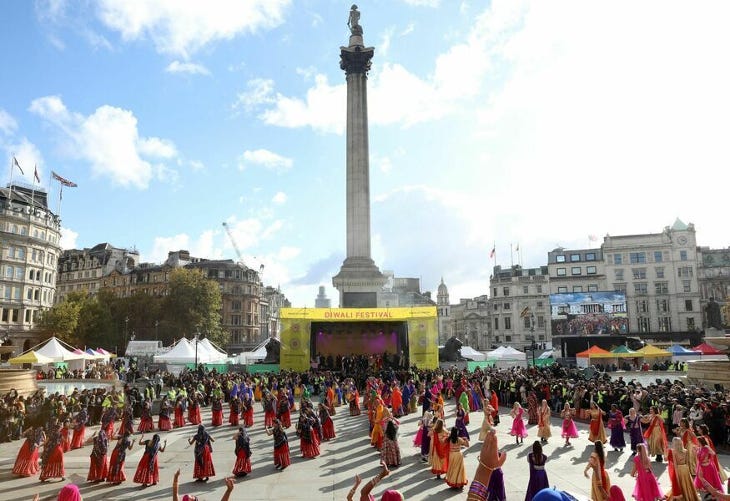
(182, 353)
(249, 357)
(506, 353)
(214, 354)
(472, 354)
(54, 350)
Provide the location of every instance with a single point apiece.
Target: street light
(532, 335)
(197, 336)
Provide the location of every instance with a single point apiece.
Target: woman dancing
(456, 473)
(518, 424)
(569, 430)
(543, 423)
(596, 431)
(646, 488)
(204, 468)
(600, 483)
(281, 446)
(26, 464)
(538, 476)
(439, 453)
(148, 471)
(242, 467)
(98, 460)
(116, 464)
(617, 426)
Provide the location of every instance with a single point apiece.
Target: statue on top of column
(354, 21)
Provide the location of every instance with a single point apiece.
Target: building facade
(469, 321)
(580, 270)
(714, 280)
(29, 254)
(443, 311)
(322, 301)
(519, 307)
(658, 272)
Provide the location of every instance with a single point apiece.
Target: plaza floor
(330, 476)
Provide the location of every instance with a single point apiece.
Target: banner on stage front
(294, 354)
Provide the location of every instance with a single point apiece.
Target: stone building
(29, 254)
(275, 300)
(581, 270)
(519, 307)
(469, 321)
(713, 277)
(87, 270)
(322, 301)
(658, 272)
(443, 312)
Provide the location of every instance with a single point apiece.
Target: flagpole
(10, 184)
(511, 256)
(32, 193)
(60, 197)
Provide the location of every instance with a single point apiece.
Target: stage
(406, 333)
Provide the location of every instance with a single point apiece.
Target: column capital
(356, 59)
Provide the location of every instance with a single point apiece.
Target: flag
(517, 249)
(592, 238)
(63, 180)
(525, 312)
(15, 162)
(492, 253)
(36, 176)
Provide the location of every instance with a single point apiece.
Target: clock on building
(682, 240)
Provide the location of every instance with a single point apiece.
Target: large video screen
(588, 313)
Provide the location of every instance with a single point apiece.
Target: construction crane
(233, 242)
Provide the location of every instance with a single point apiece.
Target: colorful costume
(148, 471)
(116, 464)
(646, 488)
(242, 467)
(456, 473)
(518, 424)
(538, 475)
(99, 462)
(202, 453)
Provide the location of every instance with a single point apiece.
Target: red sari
(179, 417)
(26, 463)
(148, 471)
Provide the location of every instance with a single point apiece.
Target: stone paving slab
(330, 476)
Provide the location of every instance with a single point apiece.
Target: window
(661, 287)
(637, 257)
(496, 306)
(618, 274)
(540, 322)
(17, 293)
(526, 322)
(642, 306)
(574, 258)
(560, 259)
(592, 288)
(562, 289)
(640, 288)
(575, 270)
(688, 305)
(525, 289)
(496, 324)
(658, 256)
(690, 323)
(662, 305)
(236, 305)
(644, 324)
(495, 292)
(507, 323)
(29, 294)
(561, 272)
(27, 316)
(683, 255)
(235, 319)
(665, 324)
(639, 273)
(618, 259)
(538, 305)
(659, 271)
(684, 271)
(686, 286)
(590, 256)
(577, 288)
(14, 316)
(539, 289)
(508, 339)
(5, 315)
(591, 270)
(506, 306)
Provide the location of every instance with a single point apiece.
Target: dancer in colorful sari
(646, 488)
(596, 431)
(242, 467)
(145, 423)
(65, 436)
(53, 456)
(461, 423)
(179, 421)
(689, 441)
(617, 426)
(569, 430)
(600, 483)
(202, 453)
(308, 442)
(77, 441)
(426, 423)
(163, 418)
(465, 406)
(390, 455)
(456, 473)
(148, 471)
(538, 476)
(705, 432)
(234, 412)
(543, 423)
(328, 426)
(682, 485)
(655, 435)
(216, 411)
(194, 409)
(116, 463)
(99, 462)
(247, 410)
(26, 464)
(126, 425)
(518, 424)
(532, 405)
(283, 413)
(354, 402)
(377, 411)
(706, 468)
(633, 422)
(281, 446)
(439, 453)
(270, 406)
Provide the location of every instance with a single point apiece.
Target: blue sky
(511, 121)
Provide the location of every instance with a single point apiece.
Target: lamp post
(532, 335)
(197, 336)
(126, 327)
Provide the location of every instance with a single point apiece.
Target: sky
(492, 124)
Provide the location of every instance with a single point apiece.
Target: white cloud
(8, 125)
(423, 3)
(187, 67)
(109, 141)
(384, 45)
(259, 91)
(183, 27)
(279, 198)
(68, 238)
(197, 165)
(203, 246)
(408, 29)
(264, 158)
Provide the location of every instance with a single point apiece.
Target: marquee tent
(624, 351)
(214, 353)
(506, 356)
(710, 353)
(583, 359)
(682, 354)
(249, 357)
(182, 353)
(104, 352)
(30, 357)
(57, 352)
(651, 351)
(96, 355)
(472, 354)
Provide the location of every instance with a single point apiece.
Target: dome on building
(442, 290)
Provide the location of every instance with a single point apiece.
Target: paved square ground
(329, 476)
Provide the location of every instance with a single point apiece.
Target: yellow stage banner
(295, 345)
(423, 343)
(358, 314)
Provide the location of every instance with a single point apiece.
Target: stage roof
(358, 314)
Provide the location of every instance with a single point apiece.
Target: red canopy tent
(594, 351)
(706, 349)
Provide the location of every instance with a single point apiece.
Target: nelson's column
(359, 280)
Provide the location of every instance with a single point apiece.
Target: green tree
(62, 319)
(193, 305)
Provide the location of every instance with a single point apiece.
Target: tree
(193, 305)
(62, 319)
